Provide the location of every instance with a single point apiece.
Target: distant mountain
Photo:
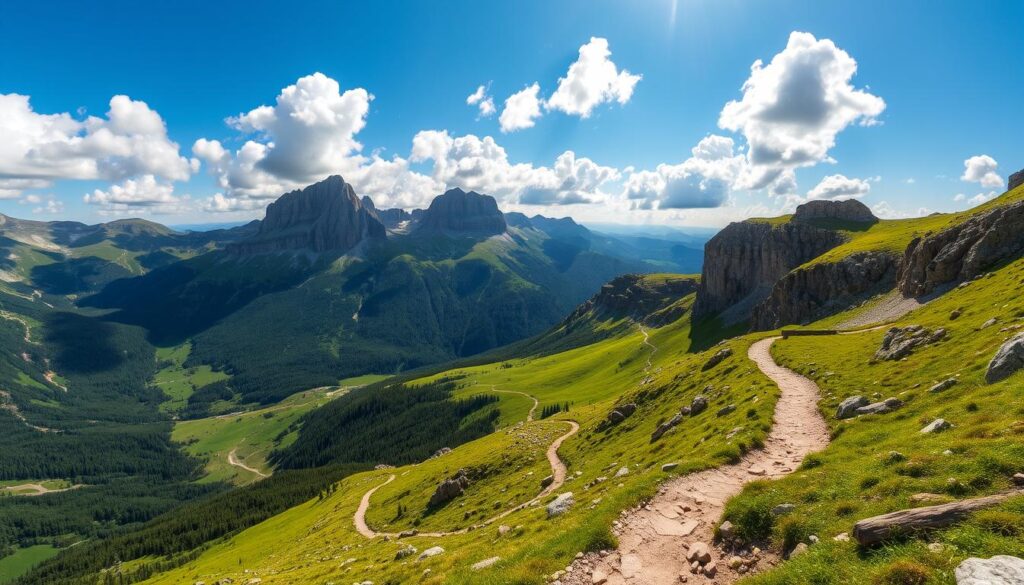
(324, 217)
(459, 212)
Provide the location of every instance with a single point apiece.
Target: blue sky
(936, 84)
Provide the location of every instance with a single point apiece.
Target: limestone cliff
(963, 251)
(822, 289)
(324, 217)
(744, 260)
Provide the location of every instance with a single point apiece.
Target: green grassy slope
(876, 463)
(312, 542)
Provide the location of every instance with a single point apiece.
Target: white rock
(430, 552)
(560, 505)
(999, 570)
(485, 563)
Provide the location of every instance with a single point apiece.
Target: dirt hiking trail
(654, 539)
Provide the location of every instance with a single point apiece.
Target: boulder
(450, 489)
(665, 426)
(887, 405)
(430, 552)
(547, 481)
(726, 410)
(560, 505)
(485, 563)
(798, 550)
(1008, 359)
(717, 358)
(937, 426)
(621, 413)
(783, 509)
(848, 408)
(669, 466)
(943, 386)
(899, 342)
(699, 405)
(406, 551)
(998, 570)
(698, 552)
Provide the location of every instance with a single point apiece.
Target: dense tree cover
(393, 424)
(553, 409)
(92, 511)
(187, 528)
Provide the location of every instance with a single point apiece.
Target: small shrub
(793, 530)
(904, 573)
(1000, 522)
(869, 482)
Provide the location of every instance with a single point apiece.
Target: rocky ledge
(817, 291)
(963, 251)
(849, 210)
(745, 260)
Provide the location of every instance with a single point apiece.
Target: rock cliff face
(743, 262)
(1016, 180)
(850, 210)
(808, 294)
(636, 296)
(324, 217)
(963, 251)
(457, 211)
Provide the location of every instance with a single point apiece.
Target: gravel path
(654, 539)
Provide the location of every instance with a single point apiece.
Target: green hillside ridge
(592, 378)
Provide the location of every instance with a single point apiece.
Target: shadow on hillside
(708, 331)
(81, 344)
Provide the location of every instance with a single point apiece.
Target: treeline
(553, 409)
(393, 424)
(177, 536)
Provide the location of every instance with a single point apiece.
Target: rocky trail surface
(656, 539)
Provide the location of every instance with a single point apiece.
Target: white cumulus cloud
(982, 169)
(793, 108)
(143, 195)
(483, 102)
(131, 140)
(839, 187)
(704, 180)
(592, 80)
(521, 109)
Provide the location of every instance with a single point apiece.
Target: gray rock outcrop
(887, 405)
(848, 408)
(998, 570)
(699, 404)
(822, 209)
(560, 505)
(621, 413)
(744, 260)
(450, 489)
(936, 426)
(825, 288)
(718, 357)
(666, 426)
(963, 251)
(899, 342)
(1008, 359)
(457, 211)
(1016, 180)
(324, 217)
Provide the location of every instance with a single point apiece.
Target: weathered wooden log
(879, 528)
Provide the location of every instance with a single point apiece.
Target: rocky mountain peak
(849, 210)
(458, 211)
(323, 217)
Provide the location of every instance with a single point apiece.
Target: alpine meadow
(539, 293)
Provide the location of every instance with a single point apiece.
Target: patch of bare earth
(656, 538)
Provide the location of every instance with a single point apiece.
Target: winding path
(234, 460)
(654, 538)
(558, 471)
(647, 342)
